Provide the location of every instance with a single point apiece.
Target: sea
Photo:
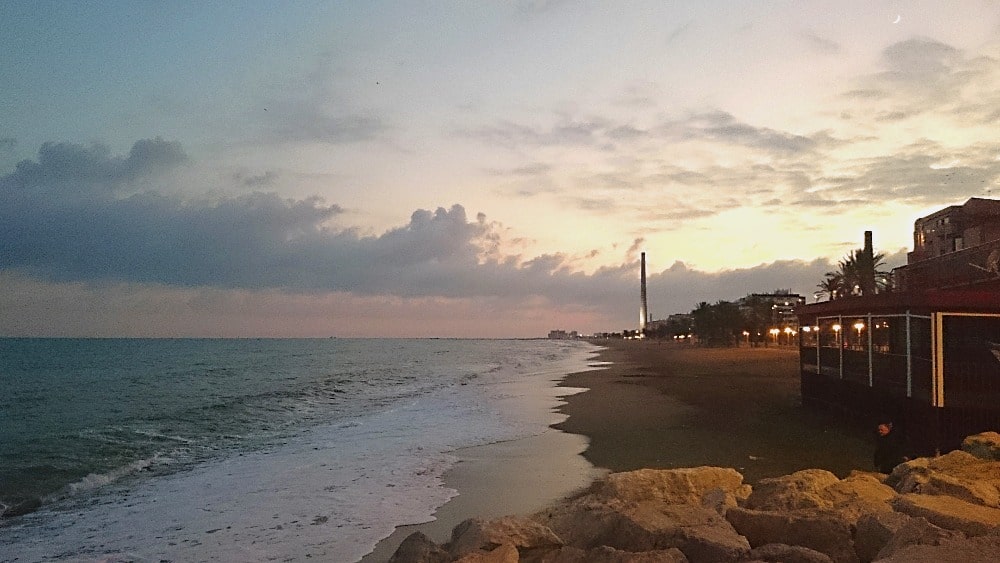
(251, 449)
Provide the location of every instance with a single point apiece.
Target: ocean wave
(97, 480)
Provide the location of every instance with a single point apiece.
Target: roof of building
(980, 300)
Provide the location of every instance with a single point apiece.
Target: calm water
(203, 449)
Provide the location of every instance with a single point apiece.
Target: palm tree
(832, 285)
(858, 274)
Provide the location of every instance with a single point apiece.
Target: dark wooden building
(927, 353)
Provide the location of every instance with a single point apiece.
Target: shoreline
(519, 476)
(654, 405)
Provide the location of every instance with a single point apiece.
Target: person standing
(888, 447)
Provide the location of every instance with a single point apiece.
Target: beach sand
(516, 477)
(668, 405)
(655, 405)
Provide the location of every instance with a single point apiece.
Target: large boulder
(505, 553)
(817, 531)
(671, 486)
(873, 531)
(799, 490)
(950, 513)
(418, 548)
(958, 474)
(816, 489)
(985, 445)
(700, 533)
(487, 535)
(916, 531)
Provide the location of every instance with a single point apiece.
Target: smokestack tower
(643, 308)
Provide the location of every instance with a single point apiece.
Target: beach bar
(926, 353)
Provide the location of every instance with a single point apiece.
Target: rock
(958, 473)
(605, 554)
(670, 486)
(506, 553)
(720, 500)
(802, 489)
(873, 531)
(820, 532)
(916, 531)
(486, 535)
(982, 549)
(985, 445)
(700, 533)
(418, 548)
(950, 513)
(817, 489)
(788, 554)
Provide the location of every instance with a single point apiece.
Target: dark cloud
(923, 76)
(75, 168)
(263, 242)
(258, 180)
(920, 58)
(923, 173)
(724, 127)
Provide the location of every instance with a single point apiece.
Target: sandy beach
(664, 405)
(654, 405)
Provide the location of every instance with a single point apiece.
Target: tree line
(727, 323)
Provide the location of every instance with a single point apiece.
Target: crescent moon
(898, 18)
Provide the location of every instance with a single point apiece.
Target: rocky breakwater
(945, 508)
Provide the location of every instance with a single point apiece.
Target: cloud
(602, 132)
(819, 44)
(258, 180)
(263, 244)
(7, 143)
(923, 76)
(67, 166)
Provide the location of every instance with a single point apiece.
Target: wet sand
(517, 477)
(665, 405)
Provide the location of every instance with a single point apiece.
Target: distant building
(782, 303)
(928, 352)
(563, 335)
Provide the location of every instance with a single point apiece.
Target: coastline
(658, 406)
(520, 476)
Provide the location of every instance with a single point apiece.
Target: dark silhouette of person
(889, 447)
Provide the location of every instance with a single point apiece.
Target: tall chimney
(868, 286)
(643, 308)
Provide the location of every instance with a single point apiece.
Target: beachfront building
(928, 352)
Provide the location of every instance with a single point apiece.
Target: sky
(468, 169)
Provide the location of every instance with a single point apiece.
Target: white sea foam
(331, 492)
